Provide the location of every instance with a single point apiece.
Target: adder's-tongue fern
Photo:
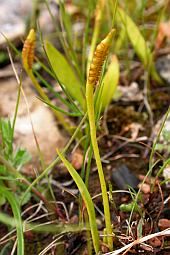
(27, 60)
(99, 57)
(93, 78)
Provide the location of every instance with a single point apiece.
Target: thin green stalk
(138, 194)
(28, 59)
(35, 13)
(88, 235)
(85, 147)
(45, 67)
(73, 114)
(157, 139)
(69, 51)
(16, 108)
(15, 116)
(91, 115)
(71, 105)
(83, 169)
(97, 26)
(43, 228)
(64, 27)
(11, 169)
(85, 41)
(165, 164)
(90, 156)
(114, 11)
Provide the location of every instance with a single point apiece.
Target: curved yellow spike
(28, 50)
(99, 56)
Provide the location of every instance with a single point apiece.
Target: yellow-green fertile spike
(28, 50)
(27, 59)
(108, 39)
(99, 57)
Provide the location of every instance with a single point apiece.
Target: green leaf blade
(87, 199)
(109, 85)
(17, 215)
(138, 42)
(135, 37)
(64, 73)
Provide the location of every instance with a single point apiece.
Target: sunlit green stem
(91, 115)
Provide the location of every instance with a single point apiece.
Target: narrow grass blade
(135, 37)
(87, 199)
(56, 108)
(66, 20)
(71, 105)
(64, 73)
(17, 215)
(138, 42)
(97, 26)
(43, 227)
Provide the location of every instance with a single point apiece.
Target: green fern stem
(91, 116)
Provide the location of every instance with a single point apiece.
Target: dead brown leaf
(163, 32)
(77, 159)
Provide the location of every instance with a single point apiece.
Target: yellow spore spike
(28, 50)
(99, 57)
